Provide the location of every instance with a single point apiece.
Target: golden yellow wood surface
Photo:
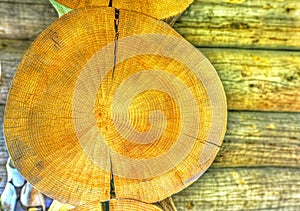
(155, 8)
(258, 165)
(155, 122)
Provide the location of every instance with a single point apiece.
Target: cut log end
(156, 8)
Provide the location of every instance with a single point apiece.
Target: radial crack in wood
(156, 125)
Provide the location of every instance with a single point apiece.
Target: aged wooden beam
(3, 152)
(3, 177)
(24, 21)
(260, 139)
(242, 189)
(258, 80)
(243, 23)
(29, 1)
(237, 189)
(13, 49)
(225, 23)
(253, 80)
(255, 140)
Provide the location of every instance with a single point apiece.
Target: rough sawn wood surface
(255, 47)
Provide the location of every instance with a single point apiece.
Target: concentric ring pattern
(155, 121)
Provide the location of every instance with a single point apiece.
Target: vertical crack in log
(112, 183)
(112, 193)
(105, 206)
(116, 22)
(117, 15)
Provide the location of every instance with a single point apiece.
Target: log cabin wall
(255, 48)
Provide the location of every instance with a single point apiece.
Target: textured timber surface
(255, 47)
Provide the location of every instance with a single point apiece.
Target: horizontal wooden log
(253, 80)
(3, 150)
(242, 189)
(256, 139)
(24, 21)
(13, 49)
(225, 23)
(236, 189)
(3, 177)
(242, 23)
(258, 80)
(28, 1)
(252, 139)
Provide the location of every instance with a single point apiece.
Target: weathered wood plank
(24, 21)
(261, 139)
(3, 177)
(236, 189)
(250, 23)
(253, 80)
(3, 150)
(242, 189)
(242, 23)
(28, 1)
(13, 49)
(258, 80)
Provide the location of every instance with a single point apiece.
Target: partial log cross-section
(155, 8)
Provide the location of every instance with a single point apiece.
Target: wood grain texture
(3, 150)
(24, 21)
(3, 177)
(13, 49)
(225, 23)
(259, 139)
(257, 167)
(258, 79)
(242, 24)
(242, 189)
(28, 1)
(253, 139)
(253, 80)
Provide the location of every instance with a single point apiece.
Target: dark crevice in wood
(112, 191)
(105, 206)
(110, 3)
(116, 22)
